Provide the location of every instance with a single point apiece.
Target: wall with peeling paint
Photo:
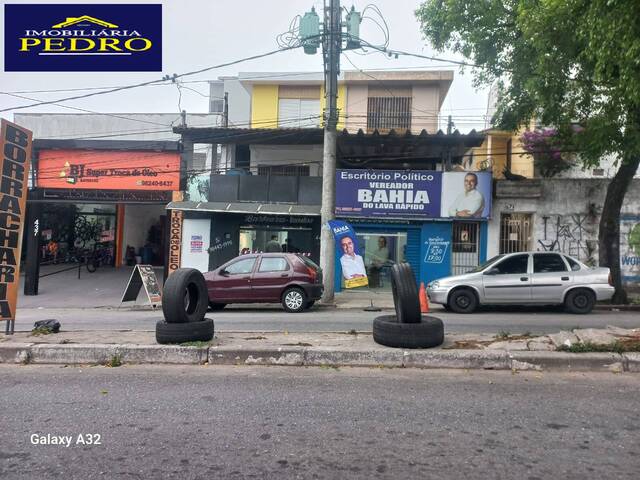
(565, 215)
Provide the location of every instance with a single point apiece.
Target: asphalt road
(279, 422)
(274, 318)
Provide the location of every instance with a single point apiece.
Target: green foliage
(115, 361)
(616, 347)
(558, 61)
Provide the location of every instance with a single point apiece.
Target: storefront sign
(353, 270)
(142, 275)
(16, 157)
(413, 194)
(277, 220)
(112, 169)
(175, 240)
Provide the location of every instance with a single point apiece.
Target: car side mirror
(223, 272)
(492, 271)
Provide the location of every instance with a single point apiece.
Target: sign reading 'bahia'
(82, 38)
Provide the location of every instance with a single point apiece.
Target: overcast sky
(201, 33)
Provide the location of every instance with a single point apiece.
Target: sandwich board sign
(143, 275)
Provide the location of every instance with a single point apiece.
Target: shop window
(271, 264)
(379, 252)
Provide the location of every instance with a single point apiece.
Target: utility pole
(447, 166)
(225, 114)
(332, 42)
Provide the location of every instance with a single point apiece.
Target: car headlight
(435, 284)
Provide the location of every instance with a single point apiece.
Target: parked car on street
(525, 278)
(291, 279)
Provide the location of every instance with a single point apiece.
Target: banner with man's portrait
(353, 269)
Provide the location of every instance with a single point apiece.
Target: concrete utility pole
(332, 42)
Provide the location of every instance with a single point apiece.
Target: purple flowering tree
(549, 151)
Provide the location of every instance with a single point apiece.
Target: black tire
(405, 293)
(294, 300)
(184, 296)
(310, 304)
(184, 332)
(427, 333)
(463, 300)
(92, 265)
(580, 301)
(216, 307)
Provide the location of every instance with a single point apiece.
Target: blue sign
(83, 38)
(388, 193)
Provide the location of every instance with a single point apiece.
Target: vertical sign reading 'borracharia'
(16, 157)
(83, 38)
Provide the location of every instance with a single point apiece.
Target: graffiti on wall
(574, 234)
(630, 247)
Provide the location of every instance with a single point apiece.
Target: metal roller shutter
(412, 255)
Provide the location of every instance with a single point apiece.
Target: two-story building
(394, 181)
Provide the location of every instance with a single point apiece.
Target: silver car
(525, 278)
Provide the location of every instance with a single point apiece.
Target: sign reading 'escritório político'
(82, 37)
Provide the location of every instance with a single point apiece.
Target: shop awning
(244, 208)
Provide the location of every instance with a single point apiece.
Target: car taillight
(610, 279)
(312, 273)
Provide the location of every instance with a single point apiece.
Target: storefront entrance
(255, 239)
(380, 250)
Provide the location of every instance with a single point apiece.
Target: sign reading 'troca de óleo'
(16, 157)
(109, 169)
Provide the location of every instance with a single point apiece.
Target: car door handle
(524, 279)
(565, 278)
(284, 275)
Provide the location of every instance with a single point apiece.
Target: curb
(101, 354)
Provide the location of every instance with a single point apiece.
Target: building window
(515, 232)
(386, 113)
(284, 170)
(298, 113)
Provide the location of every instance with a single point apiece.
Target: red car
(287, 278)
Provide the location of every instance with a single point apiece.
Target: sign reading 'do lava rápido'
(16, 157)
(83, 38)
(109, 169)
(413, 193)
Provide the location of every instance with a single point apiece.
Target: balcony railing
(296, 190)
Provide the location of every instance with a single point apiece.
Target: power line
(127, 87)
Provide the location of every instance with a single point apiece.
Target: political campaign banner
(388, 193)
(353, 270)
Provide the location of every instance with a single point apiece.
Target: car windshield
(486, 264)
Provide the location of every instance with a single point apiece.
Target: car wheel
(294, 300)
(427, 333)
(184, 296)
(463, 301)
(405, 293)
(184, 332)
(580, 301)
(216, 307)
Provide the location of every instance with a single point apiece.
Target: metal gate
(515, 232)
(465, 247)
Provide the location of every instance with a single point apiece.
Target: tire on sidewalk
(405, 293)
(429, 332)
(184, 332)
(184, 296)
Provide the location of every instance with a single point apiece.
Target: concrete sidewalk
(352, 349)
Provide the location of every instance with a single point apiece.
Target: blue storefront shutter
(412, 254)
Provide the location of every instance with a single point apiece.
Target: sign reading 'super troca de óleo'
(16, 158)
